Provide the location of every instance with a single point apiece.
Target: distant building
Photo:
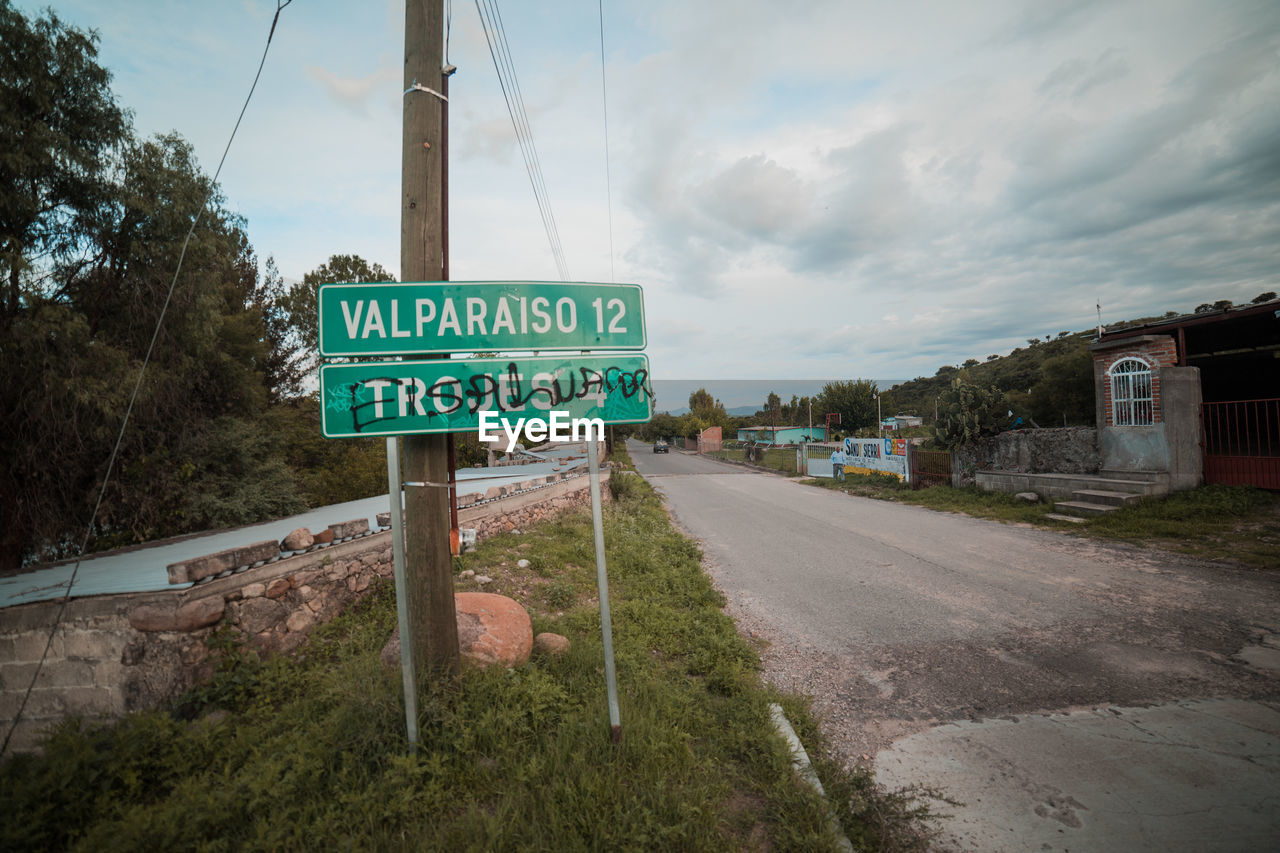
(781, 434)
(897, 422)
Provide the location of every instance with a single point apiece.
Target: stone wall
(113, 654)
(1072, 450)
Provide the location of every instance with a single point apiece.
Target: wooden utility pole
(428, 561)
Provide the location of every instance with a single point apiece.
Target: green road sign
(442, 395)
(480, 316)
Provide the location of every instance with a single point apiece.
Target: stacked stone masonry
(114, 654)
(1067, 450)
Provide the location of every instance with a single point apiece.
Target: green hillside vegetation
(1048, 382)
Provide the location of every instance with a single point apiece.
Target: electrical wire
(501, 50)
(604, 108)
(106, 477)
(504, 66)
(502, 30)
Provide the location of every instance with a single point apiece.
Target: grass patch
(778, 458)
(1238, 523)
(306, 752)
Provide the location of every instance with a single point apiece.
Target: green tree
(1065, 394)
(708, 411)
(195, 422)
(287, 362)
(60, 128)
(854, 400)
(194, 455)
(301, 301)
(661, 425)
(59, 125)
(970, 412)
(773, 408)
(701, 400)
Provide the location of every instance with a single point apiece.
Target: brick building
(1192, 399)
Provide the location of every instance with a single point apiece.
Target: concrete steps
(1057, 516)
(1109, 497)
(1064, 486)
(1089, 503)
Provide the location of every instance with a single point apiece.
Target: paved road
(1074, 696)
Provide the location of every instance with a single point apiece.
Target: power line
(106, 477)
(504, 66)
(524, 131)
(502, 30)
(604, 105)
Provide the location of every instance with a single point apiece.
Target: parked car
(661, 446)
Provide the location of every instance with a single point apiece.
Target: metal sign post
(602, 583)
(402, 596)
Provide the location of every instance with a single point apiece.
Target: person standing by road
(837, 464)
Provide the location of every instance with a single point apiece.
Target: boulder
(551, 645)
(492, 629)
(324, 537)
(200, 613)
(191, 616)
(299, 540)
(1027, 497)
(258, 615)
(153, 617)
(277, 588)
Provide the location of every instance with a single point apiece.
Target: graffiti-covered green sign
(441, 395)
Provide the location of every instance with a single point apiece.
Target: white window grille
(1131, 400)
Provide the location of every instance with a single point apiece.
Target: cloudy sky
(815, 189)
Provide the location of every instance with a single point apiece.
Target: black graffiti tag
(447, 396)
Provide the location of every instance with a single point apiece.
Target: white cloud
(821, 189)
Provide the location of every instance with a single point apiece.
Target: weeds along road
(1073, 695)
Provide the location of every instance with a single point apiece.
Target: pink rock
(492, 629)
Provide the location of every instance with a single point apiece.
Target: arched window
(1131, 401)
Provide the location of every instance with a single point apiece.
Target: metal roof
(142, 568)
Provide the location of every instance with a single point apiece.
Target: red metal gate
(1242, 442)
(930, 468)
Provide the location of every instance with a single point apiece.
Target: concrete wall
(1070, 450)
(113, 654)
